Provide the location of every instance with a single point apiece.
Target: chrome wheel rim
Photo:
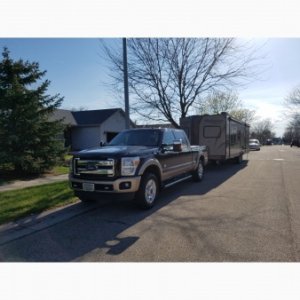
(150, 191)
(200, 170)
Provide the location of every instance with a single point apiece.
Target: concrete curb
(33, 223)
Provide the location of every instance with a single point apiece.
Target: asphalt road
(238, 213)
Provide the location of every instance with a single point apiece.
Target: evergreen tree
(28, 139)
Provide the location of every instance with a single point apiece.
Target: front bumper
(118, 186)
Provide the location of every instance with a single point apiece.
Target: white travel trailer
(224, 136)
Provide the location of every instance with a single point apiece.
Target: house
(85, 129)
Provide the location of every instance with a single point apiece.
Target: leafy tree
(217, 102)
(169, 76)
(244, 114)
(28, 139)
(221, 101)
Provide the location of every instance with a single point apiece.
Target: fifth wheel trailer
(224, 136)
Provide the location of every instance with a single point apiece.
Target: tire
(82, 197)
(148, 191)
(199, 172)
(85, 199)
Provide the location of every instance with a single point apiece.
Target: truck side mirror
(177, 146)
(102, 144)
(163, 148)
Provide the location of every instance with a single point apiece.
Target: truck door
(185, 158)
(168, 157)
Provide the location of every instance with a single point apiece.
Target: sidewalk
(36, 222)
(20, 184)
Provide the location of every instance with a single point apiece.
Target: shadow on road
(99, 228)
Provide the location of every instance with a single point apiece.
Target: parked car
(269, 142)
(254, 144)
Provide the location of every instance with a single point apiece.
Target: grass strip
(59, 170)
(22, 202)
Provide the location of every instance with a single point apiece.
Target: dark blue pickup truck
(137, 163)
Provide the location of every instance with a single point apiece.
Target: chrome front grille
(94, 167)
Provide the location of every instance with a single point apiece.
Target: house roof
(65, 115)
(85, 117)
(92, 117)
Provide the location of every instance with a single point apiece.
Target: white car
(254, 144)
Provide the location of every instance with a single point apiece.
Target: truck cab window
(148, 138)
(180, 135)
(168, 138)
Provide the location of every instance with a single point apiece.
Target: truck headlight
(129, 165)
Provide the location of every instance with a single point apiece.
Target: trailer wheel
(148, 191)
(199, 172)
(239, 159)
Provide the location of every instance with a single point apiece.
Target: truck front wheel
(148, 191)
(83, 197)
(199, 172)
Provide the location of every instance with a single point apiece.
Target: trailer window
(212, 131)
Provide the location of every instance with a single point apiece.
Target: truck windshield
(148, 138)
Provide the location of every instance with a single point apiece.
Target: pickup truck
(137, 163)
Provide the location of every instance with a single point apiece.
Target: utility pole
(126, 92)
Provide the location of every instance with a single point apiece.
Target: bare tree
(169, 76)
(263, 130)
(292, 104)
(292, 101)
(292, 132)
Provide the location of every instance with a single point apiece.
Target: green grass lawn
(8, 175)
(20, 203)
(59, 170)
